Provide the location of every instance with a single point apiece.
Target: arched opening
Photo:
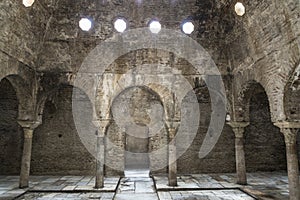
(222, 158)
(57, 148)
(137, 129)
(264, 144)
(11, 134)
(137, 149)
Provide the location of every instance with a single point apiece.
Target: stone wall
(57, 148)
(264, 46)
(190, 162)
(22, 30)
(65, 45)
(292, 104)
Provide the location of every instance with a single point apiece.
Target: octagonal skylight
(120, 25)
(155, 26)
(85, 24)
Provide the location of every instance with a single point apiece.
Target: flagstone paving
(230, 194)
(67, 196)
(136, 188)
(194, 186)
(9, 185)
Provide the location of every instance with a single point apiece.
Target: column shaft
(240, 161)
(102, 126)
(100, 163)
(172, 158)
(26, 158)
(292, 163)
(239, 129)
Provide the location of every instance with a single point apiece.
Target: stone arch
(11, 71)
(292, 96)
(26, 103)
(243, 96)
(49, 84)
(111, 86)
(136, 118)
(78, 94)
(272, 85)
(11, 134)
(97, 61)
(264, 144)
(6, 74)
(60, 131)
(149, 90)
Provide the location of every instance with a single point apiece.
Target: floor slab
(193, 186)
(224, 194)
(67, 196)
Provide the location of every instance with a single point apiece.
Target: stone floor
(136, 188)
(40, 184)
(195, 186)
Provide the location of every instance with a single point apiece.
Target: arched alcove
(57, 148)
(136, 108)
(222, 158)
(11, 134)
(264, 144)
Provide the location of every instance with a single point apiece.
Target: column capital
(238, 128)
(172, 124)
(102, 125)
(172, 127)
(289, 130)
(235, 124)
(172, 132)
(101, 122)
(27, 124)
(289, 125)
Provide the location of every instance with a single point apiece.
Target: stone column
(238, 129)
(289, 131)
(28, 128)
(100, 152)
(172, 158)
(100, 163)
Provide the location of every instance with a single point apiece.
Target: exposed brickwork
(265, 48)
(57, 139)
(264, 144)
(11, 137)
